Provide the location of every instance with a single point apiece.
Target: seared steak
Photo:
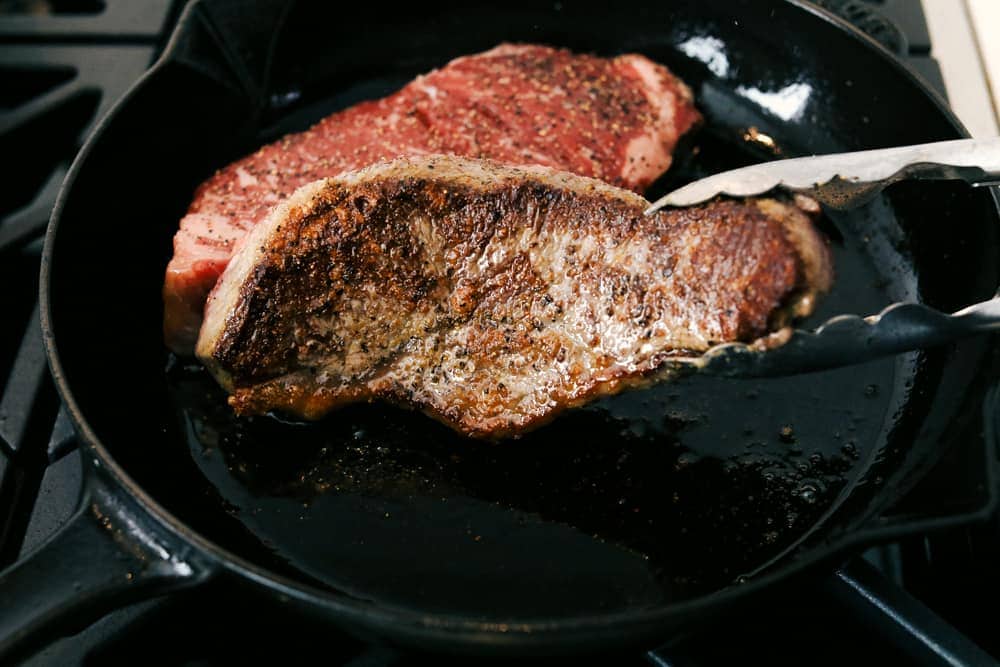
(492, 297)
(614, 119)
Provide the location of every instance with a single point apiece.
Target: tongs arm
(845, 340)
(842, 181)
(845, 180)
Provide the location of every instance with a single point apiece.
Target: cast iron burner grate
(51, 94)
(872, 22)
(62, 64)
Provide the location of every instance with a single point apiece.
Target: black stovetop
(62, 64)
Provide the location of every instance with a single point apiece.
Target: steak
(615, 119)
(490, 296)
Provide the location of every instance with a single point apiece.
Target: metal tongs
(843, 181)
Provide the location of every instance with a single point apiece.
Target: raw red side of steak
(615, 119)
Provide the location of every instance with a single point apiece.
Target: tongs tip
(674, 199)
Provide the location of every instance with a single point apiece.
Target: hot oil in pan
(639, 498)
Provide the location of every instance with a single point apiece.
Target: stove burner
(870, 21)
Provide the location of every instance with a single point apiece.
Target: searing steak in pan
(649, 518)
(614, 119)
(492, 297)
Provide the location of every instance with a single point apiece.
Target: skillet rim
(399, 621)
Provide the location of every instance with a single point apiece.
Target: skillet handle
(107, 555)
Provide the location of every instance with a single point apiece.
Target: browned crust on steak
(493, 297)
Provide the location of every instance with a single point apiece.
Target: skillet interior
(711, 489)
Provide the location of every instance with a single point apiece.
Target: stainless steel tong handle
(845, 180)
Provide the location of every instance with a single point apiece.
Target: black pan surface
(630, 505)
(644, 498)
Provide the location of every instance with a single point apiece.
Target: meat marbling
(491, 296)
(615, 119)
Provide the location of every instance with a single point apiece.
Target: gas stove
(62, 64)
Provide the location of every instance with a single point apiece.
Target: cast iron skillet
(618, 524)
